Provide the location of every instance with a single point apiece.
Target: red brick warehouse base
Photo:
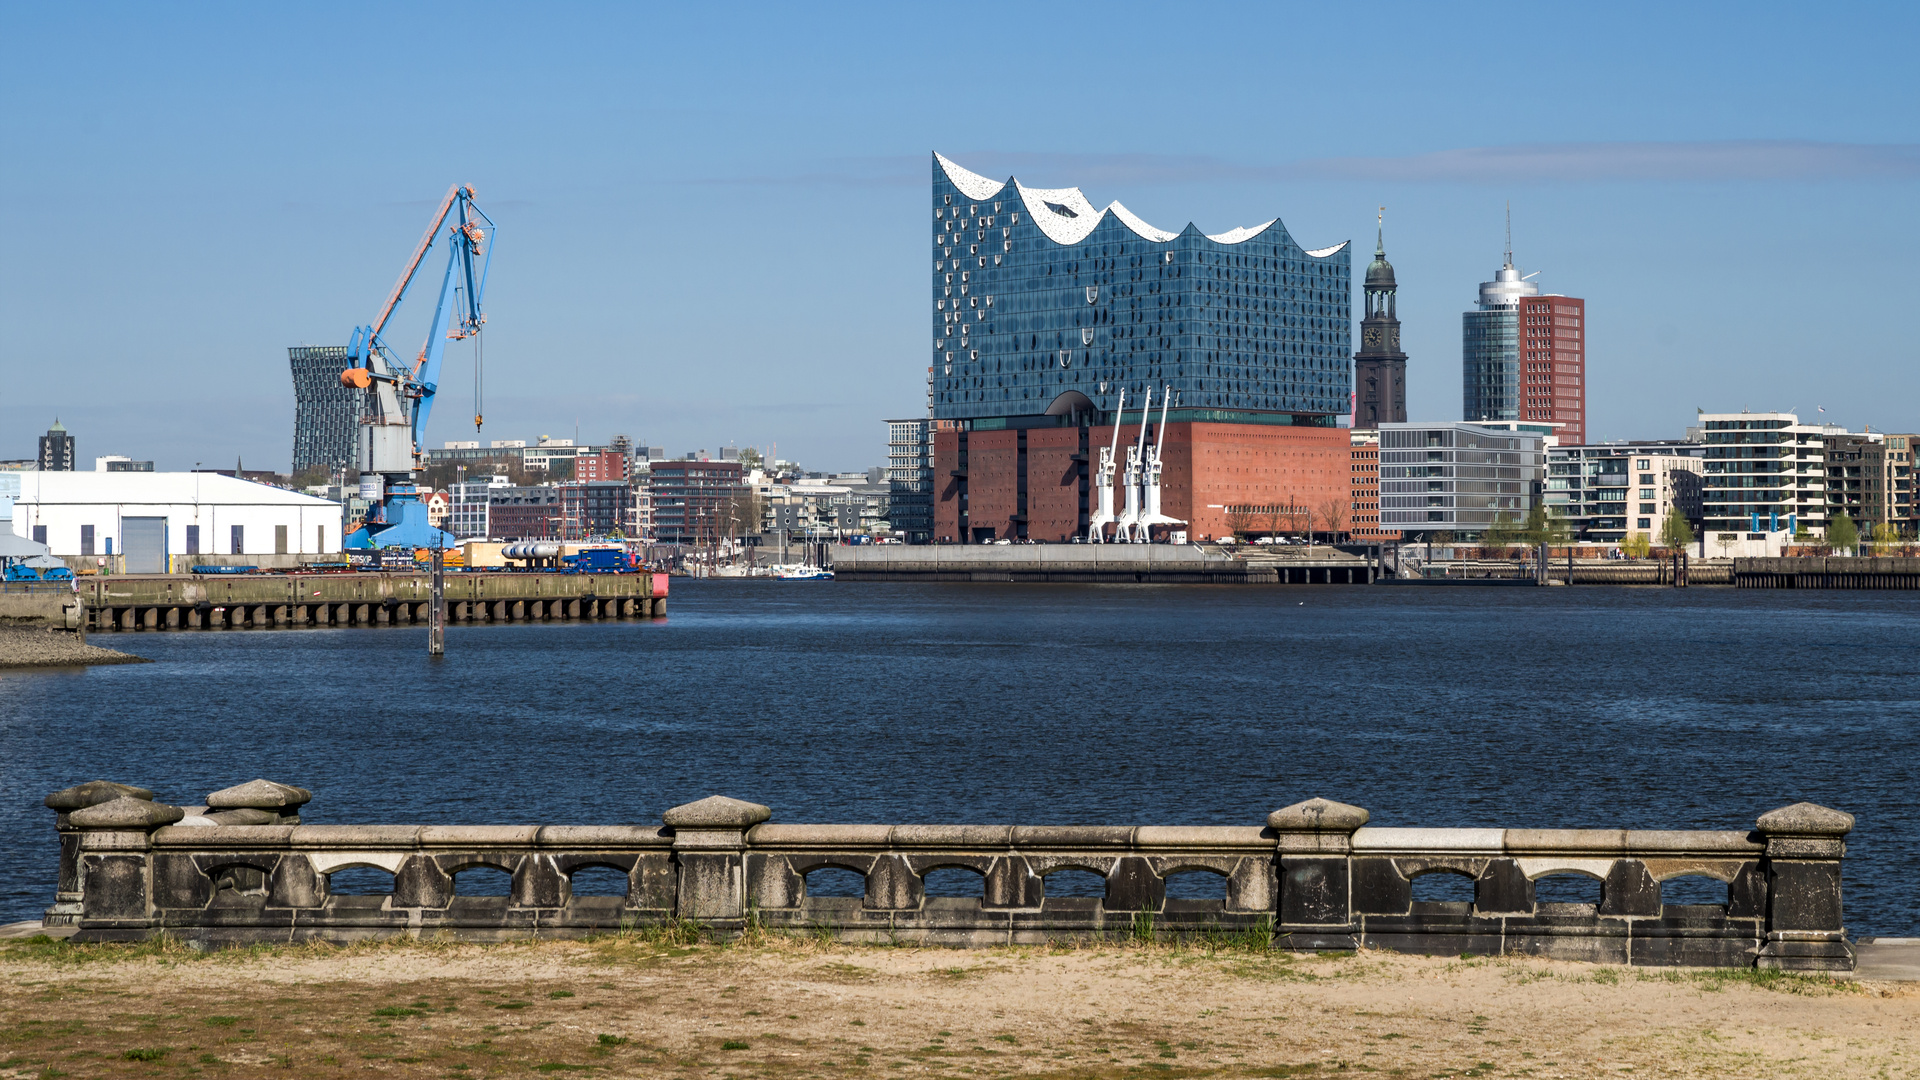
(1207, 468)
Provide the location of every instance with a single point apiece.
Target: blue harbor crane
(389, 444)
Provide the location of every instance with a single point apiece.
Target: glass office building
(326, 415)
(1041, 300)
(1490, 347)
(1457, 478)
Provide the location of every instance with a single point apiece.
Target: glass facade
(326, 415)
(1457, 478)
(910, 479)
(1037, 294)
(1490, 364)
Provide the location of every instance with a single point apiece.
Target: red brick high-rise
(1553, 364)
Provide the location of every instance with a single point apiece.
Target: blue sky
(712, 219)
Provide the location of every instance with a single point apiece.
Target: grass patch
(613, 1040)
(561, 994)
(733, 1044)
(149, 1054)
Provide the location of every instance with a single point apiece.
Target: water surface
(876, 702)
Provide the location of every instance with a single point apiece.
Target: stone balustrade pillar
(67, 896)
(1805, 843)
(116, 867)
(1314, 846)
(710, 844)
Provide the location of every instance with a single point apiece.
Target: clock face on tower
(1393, 339)
(1372, 337)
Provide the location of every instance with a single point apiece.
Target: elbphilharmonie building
(1046, 309)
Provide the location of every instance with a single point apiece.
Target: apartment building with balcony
(1763, 473)
(1610, 491)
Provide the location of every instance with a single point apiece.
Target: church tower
(1380, 368)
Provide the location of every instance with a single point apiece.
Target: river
(857, 702)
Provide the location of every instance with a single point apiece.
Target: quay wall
(264, 601)
(1312, 876)
(1145, 563)
(1827, 573)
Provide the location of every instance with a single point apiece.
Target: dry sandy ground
(627, 1007)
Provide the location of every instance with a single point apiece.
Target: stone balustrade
(244, 869)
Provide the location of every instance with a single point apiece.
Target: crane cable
(479, 357)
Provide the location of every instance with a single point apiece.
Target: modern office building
(1610, 491)
(692, 500)
(1523, 355)
(1764, 473)
(1553, 363)
(56, 450)
(910, 479)
(468, 503)
(1457, 478)
(1380, 368)
(1045, 310)
(326, 415)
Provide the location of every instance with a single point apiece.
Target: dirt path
(793, 1009)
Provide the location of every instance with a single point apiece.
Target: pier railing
(244, 869)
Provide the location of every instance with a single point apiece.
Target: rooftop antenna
(1509, 232)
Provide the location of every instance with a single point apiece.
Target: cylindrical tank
(530, 551)
(372, 486)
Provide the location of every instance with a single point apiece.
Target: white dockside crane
(1131, 528)
(1103, 517)
(1153, 516)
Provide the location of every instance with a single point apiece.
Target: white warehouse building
(148, 517)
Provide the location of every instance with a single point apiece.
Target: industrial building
(1046, 310)
(144, 519)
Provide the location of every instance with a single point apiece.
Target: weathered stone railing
(244, 869)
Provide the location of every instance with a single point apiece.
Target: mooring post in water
(437, 606)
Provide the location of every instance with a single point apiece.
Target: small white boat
(802, 573)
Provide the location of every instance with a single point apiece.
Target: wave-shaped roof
(1067, 217)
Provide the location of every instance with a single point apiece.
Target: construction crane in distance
(389, 443)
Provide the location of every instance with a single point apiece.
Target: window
(279, 539)
(193, 539)
(86, 539)
(238, 537)
(39, 534)
(1646, 523)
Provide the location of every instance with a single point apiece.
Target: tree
(1502, 534)
(1885, 535)
(1675, 533)
(1239, 521)
(1841, 533)
(1271, 515)
(1333, 515)
(1636, 545)
(1726, 540)
(1545, 525)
